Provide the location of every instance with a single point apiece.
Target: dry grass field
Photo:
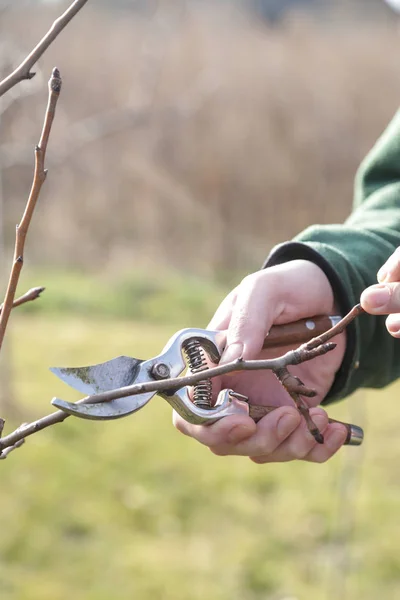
(195, 139)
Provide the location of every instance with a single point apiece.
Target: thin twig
(9, 449)
(296, 389)
(338, 328)
(30, 295)
(22, 432)
(24, 70)
(293, 357)
(38, 179)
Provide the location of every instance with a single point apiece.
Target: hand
(384, 298)
(277, 295)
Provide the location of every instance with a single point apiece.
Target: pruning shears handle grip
(292, 334)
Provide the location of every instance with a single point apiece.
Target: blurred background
(190, 138)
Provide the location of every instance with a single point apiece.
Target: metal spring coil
(202, 391)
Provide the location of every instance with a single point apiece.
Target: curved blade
(94, 379)
(104, 411)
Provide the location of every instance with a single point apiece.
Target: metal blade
(94, 379)
(114, 409)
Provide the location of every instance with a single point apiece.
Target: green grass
(132, 509)
(155, 297)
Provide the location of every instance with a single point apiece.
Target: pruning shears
(188, 348)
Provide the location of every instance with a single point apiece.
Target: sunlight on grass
(156, 297)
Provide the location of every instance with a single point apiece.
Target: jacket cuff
(300, 251)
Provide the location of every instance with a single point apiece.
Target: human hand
(384, 298)
(277, 295)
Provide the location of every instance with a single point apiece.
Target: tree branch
(18, 444)
(304, 353)
(38, 180)
(338, 328)
(30, 295)
(9, 449)
(296, 388)
(24, 70)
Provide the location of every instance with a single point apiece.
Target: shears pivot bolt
(160, 371)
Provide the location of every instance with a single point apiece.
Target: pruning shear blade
(103, 377)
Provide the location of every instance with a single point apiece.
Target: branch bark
(304, 353)
(30, 295)
(23, 71)
(38, 180)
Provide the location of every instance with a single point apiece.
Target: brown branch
(24, 431)
(296, 388)
(23, 71)
(338, 328)
(38, 179)
(30, 295)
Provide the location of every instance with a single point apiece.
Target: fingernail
(336, 438)
(232, 352)
(239, 433)
(382, 274)
(286, 425)
(378, 296)
(393, 325)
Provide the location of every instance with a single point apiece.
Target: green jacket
(351, 255)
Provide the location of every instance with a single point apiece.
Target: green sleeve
(351, 254)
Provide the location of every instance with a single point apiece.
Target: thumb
(251, 318)
(381, 299)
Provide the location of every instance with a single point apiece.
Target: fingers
(279, 437)
(384, 298)
(334, 437)
(381, 299)
(268, 435)
(393, 325)
(390, 271)
(297, 445)
(302, 446)
(251, 317)
(225, 432)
